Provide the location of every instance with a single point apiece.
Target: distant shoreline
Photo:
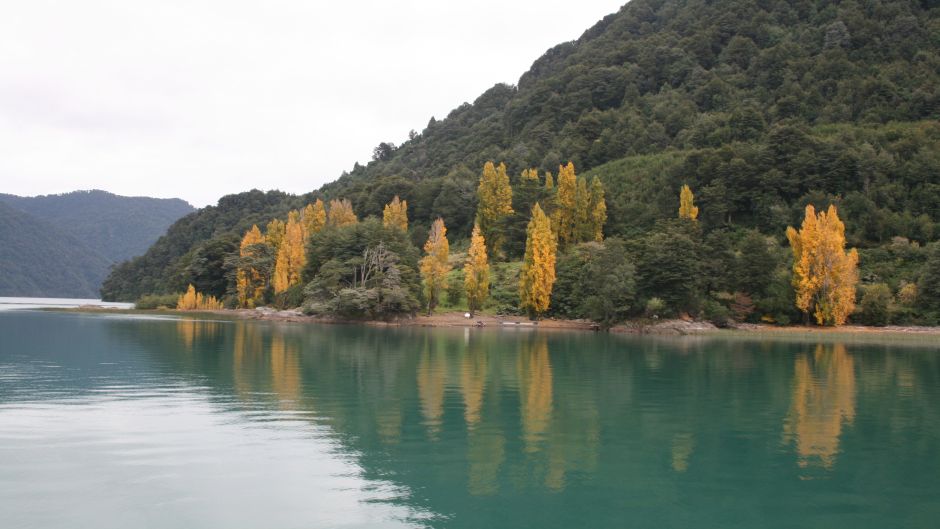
(457, 319)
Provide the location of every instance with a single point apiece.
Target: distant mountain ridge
(64, 245)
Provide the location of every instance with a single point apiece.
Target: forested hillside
(115, 226)
(64, 245)
(760, 107)
(37, 259)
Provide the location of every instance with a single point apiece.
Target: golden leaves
(824, 274)
(538, 268)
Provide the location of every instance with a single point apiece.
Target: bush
(157, 301)
(875, 304)
(655, 307)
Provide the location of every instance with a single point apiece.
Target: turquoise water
(126, 421)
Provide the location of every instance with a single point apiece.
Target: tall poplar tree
(395, 214)
(274, 234)
(250, 281)
(341, 213)
(291, 256)
(687, 207)
(583, 223)
(563, 219)
(495, 203)
(476, 272)
(824, 274)
(538, 268)
(598, 210)
(434, 265)
(314, 218)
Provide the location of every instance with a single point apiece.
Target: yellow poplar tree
(434, 265)
(824, 274)
(598, 209)
(476, 272)
(341, 213)
(687, 207)
(495, 202)
(530, 175)
(291, 256)
(538, 268)
(193, 300)
(584, 228)
(249, 282)
(275, 234)
(314, 218)
(549, 181)
(563, 221)
(396, 214)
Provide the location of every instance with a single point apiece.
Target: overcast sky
(197, 99)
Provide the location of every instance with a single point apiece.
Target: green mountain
(117, 227)
(39, 260)
(760, 106)
(64, 245)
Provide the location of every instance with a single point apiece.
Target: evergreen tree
(341, 213)
(434, 265)
(396, 214)
(928, 288)
(314, 218)
(755, 265)
(687, 207)
(824, 274)
(538, 268)
(476, 272)
(669, 266)
(495, 203)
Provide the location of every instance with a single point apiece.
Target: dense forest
(64, 245)
(761, 108)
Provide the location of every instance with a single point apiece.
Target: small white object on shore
(466, 315)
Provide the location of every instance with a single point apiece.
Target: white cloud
(198, 99)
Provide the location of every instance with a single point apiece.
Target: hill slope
(115, 226)
(39, 260)
(64, 245)
(760, 106)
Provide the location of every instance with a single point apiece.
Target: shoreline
(676, 327)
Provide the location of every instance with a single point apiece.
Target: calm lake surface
(119, 421)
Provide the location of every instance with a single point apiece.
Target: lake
(118, 421)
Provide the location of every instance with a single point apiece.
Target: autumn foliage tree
(687, 207)
(396, 214)
(250, 278)
(598, 207)
(566, 205)
(538, 267)
(193, 300)
(580, 210)
(314, 218)
(291, 255)
(434, 265)
(495, 203)
(824, 274)
(341, 213)
(476, 272)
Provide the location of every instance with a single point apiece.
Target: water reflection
(823, 404)
(495, 428)
(535, 391)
